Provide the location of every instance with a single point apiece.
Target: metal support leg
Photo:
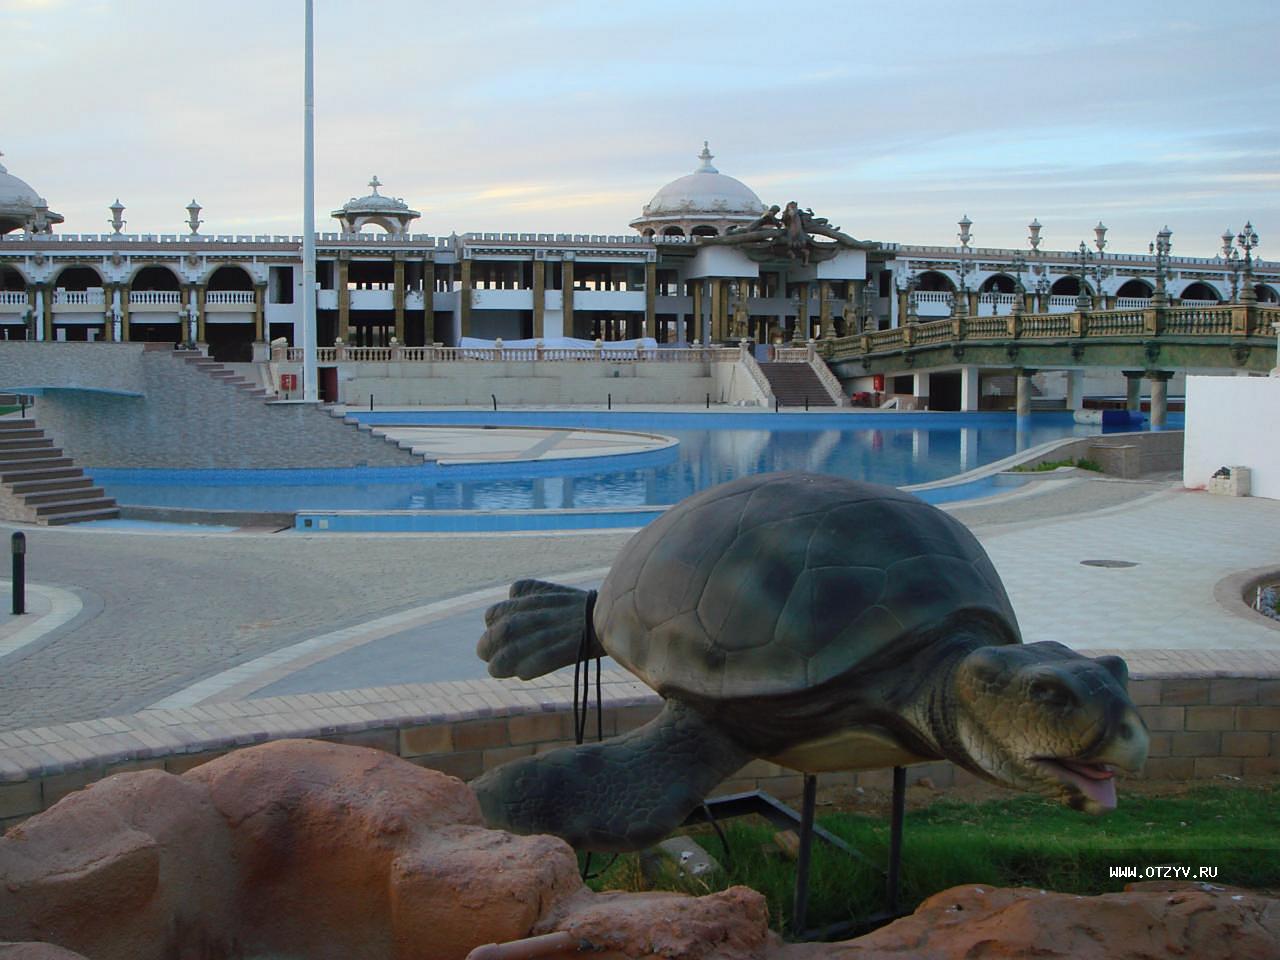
(800, 905)
(895, 835)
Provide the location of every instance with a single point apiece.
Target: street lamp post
(1231, 257)
(1083, 258)
(1019, 291)
(907, 285)
(1160, 248)
(1248, 239)
(1033, 241)
(961, 305)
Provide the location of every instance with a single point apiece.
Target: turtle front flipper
(538, 630)
(621, 794)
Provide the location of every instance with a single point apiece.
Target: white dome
(20, 205)
(705, 191)
(15, 192)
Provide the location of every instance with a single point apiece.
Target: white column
(40, 314)
(921, 390)
(115, 314)
(1075, 389)
(969, 389)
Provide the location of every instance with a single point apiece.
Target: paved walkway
(456, 445)
(180, 619)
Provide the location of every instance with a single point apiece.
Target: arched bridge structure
(1150, 343)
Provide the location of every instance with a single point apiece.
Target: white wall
(1230, 422)
(526, 382)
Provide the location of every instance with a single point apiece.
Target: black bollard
(371, 403)
(806, 403)
(708, 401)
(22, 402)
(18, 546)
(610, 401)
(777, 404)
(494, 398)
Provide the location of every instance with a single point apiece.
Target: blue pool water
(897, 449)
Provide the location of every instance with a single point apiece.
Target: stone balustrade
(1208, 320)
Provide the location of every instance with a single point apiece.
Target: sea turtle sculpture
(814, 621)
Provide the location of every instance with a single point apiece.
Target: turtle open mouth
(1096, 781)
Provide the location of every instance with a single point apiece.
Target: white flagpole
(309, 391)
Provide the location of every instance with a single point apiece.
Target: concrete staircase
(217, 371)
(792, 383)
(40, 485)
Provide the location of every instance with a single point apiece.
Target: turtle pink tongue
(1096, 784)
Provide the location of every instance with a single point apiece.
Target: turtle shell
(777, 583)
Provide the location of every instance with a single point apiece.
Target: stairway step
(39, 470)
(24, 438)
(73, 494)
(19, 424)
(58, 519)
(13, 456)
(75, 506)
(78, 481)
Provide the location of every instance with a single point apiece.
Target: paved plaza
(121, 620)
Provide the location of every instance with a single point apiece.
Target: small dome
(390, 213)
(19, 203)
(705, 191)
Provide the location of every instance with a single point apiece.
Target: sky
(892, 120)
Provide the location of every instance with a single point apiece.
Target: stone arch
(1134, 287)
(932, 280)
(673, 231)
(229, 276)
(1266, 293)
(703, 230)
(647, 233)
(998, 283)
(77, 276)
(12, 280)
(1199, 290)
(1068, 287)
(154, 277)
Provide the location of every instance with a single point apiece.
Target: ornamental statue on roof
(390, 213)
(789, 233)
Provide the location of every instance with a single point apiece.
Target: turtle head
(1042, 718)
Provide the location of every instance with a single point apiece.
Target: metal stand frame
(781, 815)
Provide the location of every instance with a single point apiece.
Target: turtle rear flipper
(538, 630)
(620, 794)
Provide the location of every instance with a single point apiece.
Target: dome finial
(375, 183)
(705, 157)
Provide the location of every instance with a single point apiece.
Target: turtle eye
(1051, 692)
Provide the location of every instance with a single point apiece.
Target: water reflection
(914, 453)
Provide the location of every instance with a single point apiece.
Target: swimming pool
(898, 449)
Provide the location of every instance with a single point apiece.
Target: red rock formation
(314, 850)
(976, 923)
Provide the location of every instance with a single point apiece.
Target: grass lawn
(1019, 841)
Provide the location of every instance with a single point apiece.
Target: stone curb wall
(1201, 727)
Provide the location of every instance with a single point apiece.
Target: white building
(671, 279)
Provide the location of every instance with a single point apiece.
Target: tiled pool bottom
(600, 492)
